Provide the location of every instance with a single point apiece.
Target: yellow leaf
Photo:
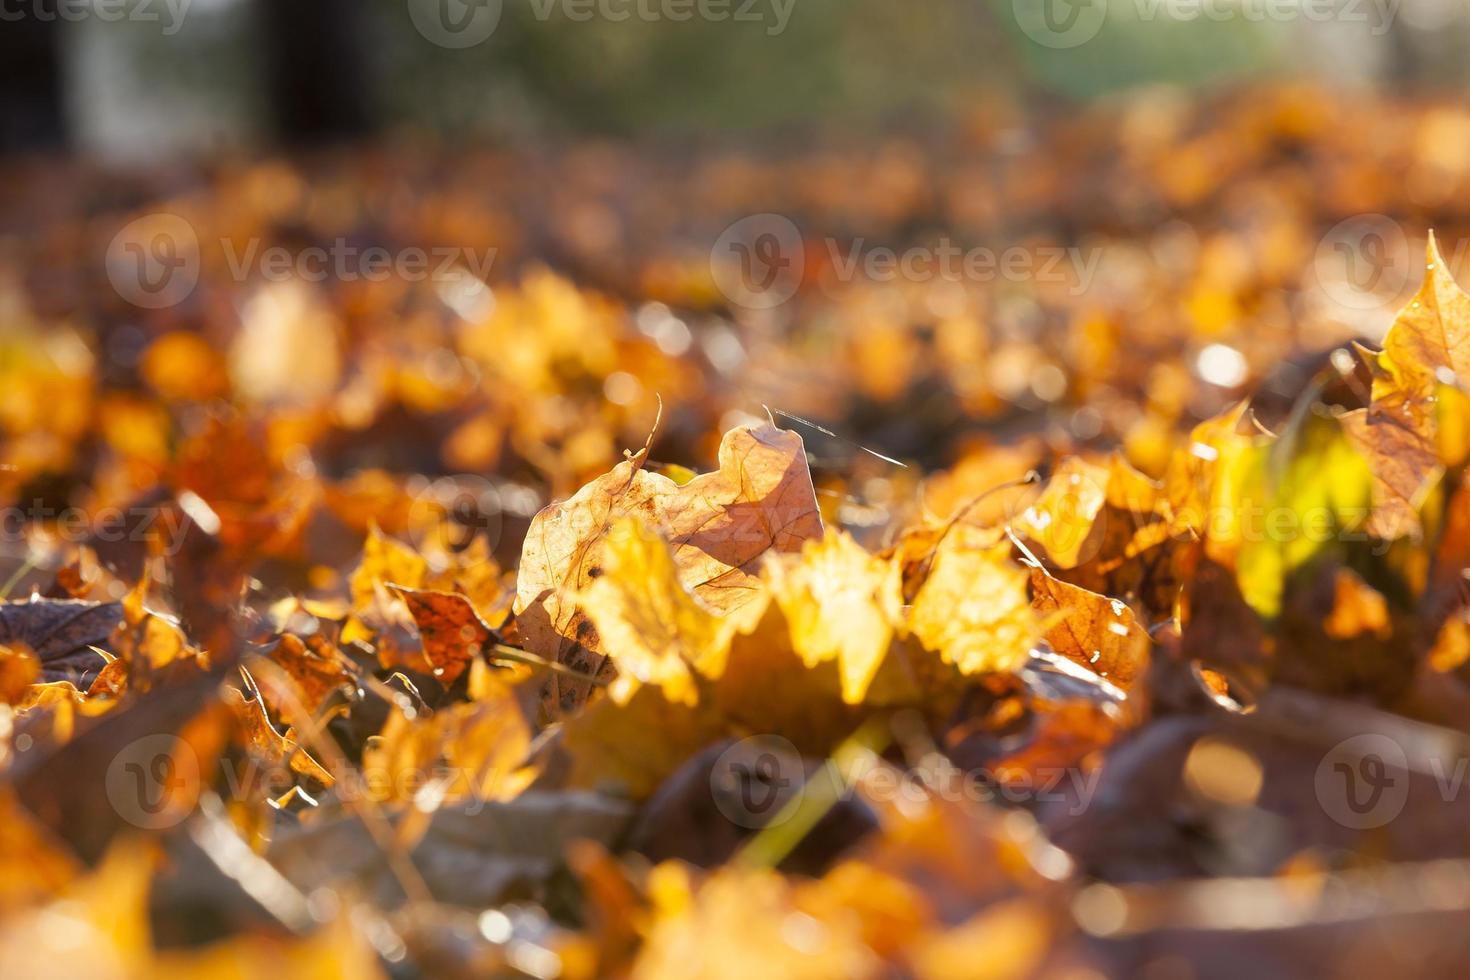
(736, 925)
(469, 750)
(1303, 496)
(973, 609)
(1061, 520)
(651, 627)
(841, 603)
(384, 562)
(718, 525)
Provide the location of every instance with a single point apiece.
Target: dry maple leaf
(973, 609)
(469, 750)
(1093, 630)
(267, 745)
(654, 630)
(1398, 430)
(841, 603)
(452, 632)
(718, 525)
(307, 673)
(384, 562)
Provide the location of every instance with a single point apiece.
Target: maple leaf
(841, 604)
(654, 630)
(311, 671)
(1093, 630)
(718, 525)
(452, 632)
(1428, 343)
(384, 562)
(973, 608)
(268, 745)
(144, 642)
(469, 750)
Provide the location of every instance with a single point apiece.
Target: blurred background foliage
(835, 66)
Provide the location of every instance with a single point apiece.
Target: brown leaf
(453, 634)
(61, 633)
(1093, 630)
(1398, 430)
(718, 525)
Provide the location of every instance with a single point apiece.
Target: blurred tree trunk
(31, 113)
(319, 76)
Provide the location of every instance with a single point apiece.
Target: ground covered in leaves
(591, 622)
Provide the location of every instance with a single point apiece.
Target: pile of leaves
(339, 641)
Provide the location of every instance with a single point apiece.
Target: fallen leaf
(654, 631)
(62, 633)
(718, 525)
(841, 603)
(1398, 431)
(973, 609)
(452, 632)
(1093, 630)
